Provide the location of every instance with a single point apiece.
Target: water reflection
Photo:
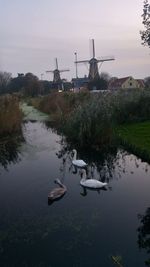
(10, 152)
(103, 166)
(100, 165)
(85, 190)
(51, 201)
(144, 233)
(77, 230)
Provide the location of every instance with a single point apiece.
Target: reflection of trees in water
(48, 125)
(128, 163)
(144, 233)
(9, 152)
(104, 165)
(101, 165)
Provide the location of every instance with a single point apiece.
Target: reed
(91, 119)
(10, 115)
(90, 123)
(94, 122)
(59, 105)
(131, 106)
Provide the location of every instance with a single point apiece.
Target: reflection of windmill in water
(93, 64)
(56, 75)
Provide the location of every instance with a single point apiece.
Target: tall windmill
(56, 73)
(93, 63)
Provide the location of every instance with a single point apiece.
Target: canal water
(82, 229)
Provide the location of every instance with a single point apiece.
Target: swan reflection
(85, 190)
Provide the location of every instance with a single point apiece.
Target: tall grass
(90, 123)
(10, 115)
(59, 105)
(131, 106)
(91, 119)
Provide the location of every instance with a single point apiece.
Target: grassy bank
(59, 106)
(136, 137)
(90, 119)
(10, 116)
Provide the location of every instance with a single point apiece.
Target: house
(124, 83)
(80, 84)
(141, 83)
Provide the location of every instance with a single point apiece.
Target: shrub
(10, 115)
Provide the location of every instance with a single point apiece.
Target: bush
(10, 115)
(59, 105)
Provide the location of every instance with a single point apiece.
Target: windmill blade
(82, 61)
(107, 58)
(56, 61)
(93, 48)
(47, 71)
(64, 70)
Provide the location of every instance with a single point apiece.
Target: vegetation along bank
(10, 116)
(136, 137)
(96, 120)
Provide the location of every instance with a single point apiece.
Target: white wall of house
(130, 83)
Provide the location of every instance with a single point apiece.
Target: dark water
(84, 228)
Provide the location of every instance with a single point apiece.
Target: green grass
(136, 136)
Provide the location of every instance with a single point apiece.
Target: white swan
(91, 183)
(77, 162)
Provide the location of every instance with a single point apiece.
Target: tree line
(30, 85)
(27, 84)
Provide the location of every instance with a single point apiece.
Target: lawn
(136, 136)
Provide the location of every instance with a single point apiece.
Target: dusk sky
(35, 32)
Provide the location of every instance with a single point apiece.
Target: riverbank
(96, 120)
(136, 137)
(32, 114)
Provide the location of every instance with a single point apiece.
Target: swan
(57, 193)
(77, 162)
(90, 183)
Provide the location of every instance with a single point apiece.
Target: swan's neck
(84, 175)
(60, 184)
(75, 155)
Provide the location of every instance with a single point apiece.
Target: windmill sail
(56, 73)
(93, 63)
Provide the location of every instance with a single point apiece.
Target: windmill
(56, 74)
(93, 64)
